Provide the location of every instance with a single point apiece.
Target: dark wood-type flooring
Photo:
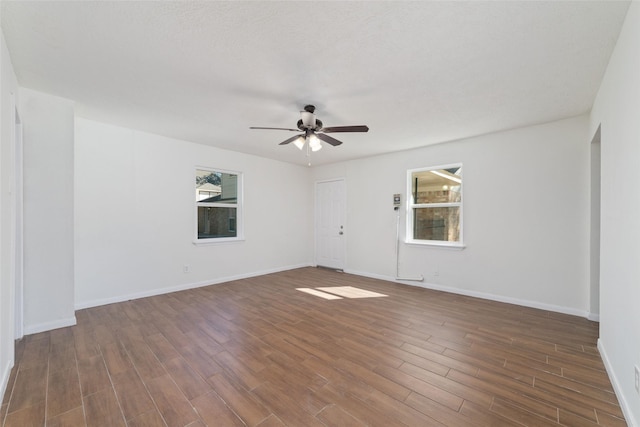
(257, 352)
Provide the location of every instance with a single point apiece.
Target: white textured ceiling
(416, 73)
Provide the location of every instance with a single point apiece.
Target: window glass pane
(437, 224)
(436, 186)
(216, 187)
(214, 222)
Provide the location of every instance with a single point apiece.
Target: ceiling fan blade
(293, 130)
(293, 138)
(359, 128)
(328, 139)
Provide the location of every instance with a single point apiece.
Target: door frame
(344, 219)
(17, 222)
(594, 237)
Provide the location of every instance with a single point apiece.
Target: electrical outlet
(186, 269)
(637, 381)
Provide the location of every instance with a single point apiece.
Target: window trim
(410, 206)
(239, 205)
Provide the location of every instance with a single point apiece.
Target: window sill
(214, 241)
(433, 243)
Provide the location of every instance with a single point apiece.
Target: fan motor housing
(317, 126)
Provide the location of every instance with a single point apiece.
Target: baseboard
(624, 405)
(482, 295)
(183, 287)
(48, 326)
(6, 373)
(215, 281)
(372, 275)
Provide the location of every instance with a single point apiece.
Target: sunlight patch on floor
(351, 292)
(337, 292)
(318, 293)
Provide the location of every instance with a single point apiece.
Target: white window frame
(238, 205)
(411, 206)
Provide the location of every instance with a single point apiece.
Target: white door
(330, 223)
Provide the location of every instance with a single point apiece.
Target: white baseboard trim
(482, 295)
(182, 287)
(6, 373)
(624, 405)
(48, 326)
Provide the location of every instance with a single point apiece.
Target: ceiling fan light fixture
(314, 143)
(314, 134)
(299, 142)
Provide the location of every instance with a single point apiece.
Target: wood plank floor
(257, 352)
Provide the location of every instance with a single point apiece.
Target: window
(434, 215)
(218, 204)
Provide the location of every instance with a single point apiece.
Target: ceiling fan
(314, 131)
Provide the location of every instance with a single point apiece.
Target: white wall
(617, 110)
(8, 87)
(526, 216)
(48, 123)
(135, 215)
